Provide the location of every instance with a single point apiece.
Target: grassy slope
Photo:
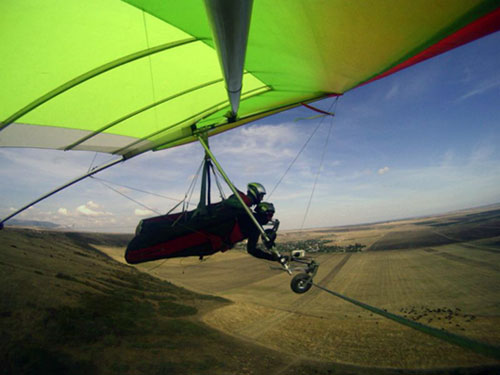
(66, 308)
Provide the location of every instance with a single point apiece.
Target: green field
(68, 304)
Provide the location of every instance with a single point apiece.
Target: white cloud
(392, 92)
(62, 211)
(84, 210)
(480, 89)
(140, 212)
(92, 205)
(384, 170)
(90, 209)
(268, 141)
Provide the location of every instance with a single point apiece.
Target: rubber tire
(301, 283)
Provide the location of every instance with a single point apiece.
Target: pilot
(264, 212)
(256, 192)
(245, 227)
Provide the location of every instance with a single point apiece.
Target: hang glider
(126, 77)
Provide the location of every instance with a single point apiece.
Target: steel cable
(462, 341)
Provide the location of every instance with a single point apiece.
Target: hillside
(68, 304)
(449, 287)
(66, 308)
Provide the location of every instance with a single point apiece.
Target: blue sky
(422, 141)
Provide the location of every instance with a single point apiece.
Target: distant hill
(461, 226)
(31, 223)
(472, 224)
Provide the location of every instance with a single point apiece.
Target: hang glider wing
(125, 77)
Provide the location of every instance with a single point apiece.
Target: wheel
(301, 283)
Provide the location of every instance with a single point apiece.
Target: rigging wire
(138, 190)
(191, 187)
(157, 265)
(320, 168)
(452, 338)
(218, 183)
(126, 196)
(190, 193)
(92, 162)
(183, 201)
(302, 149)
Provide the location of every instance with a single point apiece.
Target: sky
(423, 141)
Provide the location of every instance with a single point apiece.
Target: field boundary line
(477, 247)
(466, 261)
(462, 341)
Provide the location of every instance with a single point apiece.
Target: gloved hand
(283, 259)
(272, 237)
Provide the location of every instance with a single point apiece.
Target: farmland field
(427, 277)
(420, 284)
(69, 305)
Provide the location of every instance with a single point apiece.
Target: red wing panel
(485, 25)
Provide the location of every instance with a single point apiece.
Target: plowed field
(454, 287)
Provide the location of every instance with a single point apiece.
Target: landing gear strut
(303, 281)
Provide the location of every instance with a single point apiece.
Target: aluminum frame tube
(232, 187)
(68, 184)
(230, 24)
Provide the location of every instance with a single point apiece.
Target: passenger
(264, 213)
(245, 228)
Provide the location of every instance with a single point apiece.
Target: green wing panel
(130, 76)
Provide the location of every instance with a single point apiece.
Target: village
(311, 246)
(318, 246)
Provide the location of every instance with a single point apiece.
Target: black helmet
(265, 207)
(264, 212)
(256, 191)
